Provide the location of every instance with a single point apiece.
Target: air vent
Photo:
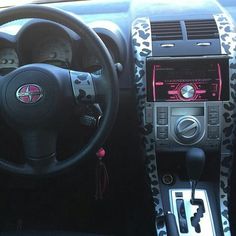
(201, 29)
(166, 30)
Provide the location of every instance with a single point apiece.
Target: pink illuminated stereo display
(188, 80)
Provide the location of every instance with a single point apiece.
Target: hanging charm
(102, 178)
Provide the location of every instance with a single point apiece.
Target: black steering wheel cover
(110, 83)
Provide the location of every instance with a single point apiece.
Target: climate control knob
(187, 91)
(188, 129)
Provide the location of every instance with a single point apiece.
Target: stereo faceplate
(188, 79)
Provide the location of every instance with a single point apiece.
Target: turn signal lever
(195, 161)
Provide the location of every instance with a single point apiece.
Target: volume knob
(187, 91)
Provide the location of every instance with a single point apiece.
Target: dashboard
(178, 58)
(177, 52)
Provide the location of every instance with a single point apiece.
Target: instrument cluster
(41, 41)
(8, 60)
(55, 51)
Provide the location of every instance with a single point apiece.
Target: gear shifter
(193, 215)
(195, 161)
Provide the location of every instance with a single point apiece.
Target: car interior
(118, 117)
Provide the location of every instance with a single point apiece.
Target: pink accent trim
(173, 92)
(220, 81)
(153, 82)
(200, 91)
(159, 83)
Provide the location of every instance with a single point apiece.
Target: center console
(187, 93)
(186, 104)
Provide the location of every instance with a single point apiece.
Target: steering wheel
(36, 98)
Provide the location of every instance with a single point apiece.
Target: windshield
(7, 3)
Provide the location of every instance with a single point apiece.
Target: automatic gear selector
(191, 206)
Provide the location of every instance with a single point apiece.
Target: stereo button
(213, 118)
(213, 109)
(162, 136)
(213, 121)
(162, 115)
(162, 132)
(162, 122)
(162, 109)
(213, 115)
(213, 132)
(162, 129)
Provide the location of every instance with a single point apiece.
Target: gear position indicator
(193, 218)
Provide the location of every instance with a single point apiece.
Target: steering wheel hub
(34, 94)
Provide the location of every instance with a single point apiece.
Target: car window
(6, 3)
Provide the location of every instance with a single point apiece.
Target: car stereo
(192, 79)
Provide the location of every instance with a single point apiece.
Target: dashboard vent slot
(201, 29)
(166, 30)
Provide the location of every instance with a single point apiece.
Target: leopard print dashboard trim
(142, 48)
(227, 35)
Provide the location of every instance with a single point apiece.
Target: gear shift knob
(195, 161)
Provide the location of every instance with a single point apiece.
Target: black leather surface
(47, 233)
